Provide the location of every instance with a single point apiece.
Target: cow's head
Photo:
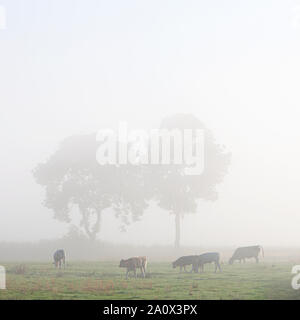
(122, 264)
(174, 264)
(230, 261)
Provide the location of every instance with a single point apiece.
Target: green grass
(105, 280)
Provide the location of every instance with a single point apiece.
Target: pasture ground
(105, 280)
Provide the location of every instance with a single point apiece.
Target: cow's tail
(145, 263)
(262, 251)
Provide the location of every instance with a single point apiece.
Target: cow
(59, 257)
(134, 263)
(184, 261)
(204, 258)
(246, 252)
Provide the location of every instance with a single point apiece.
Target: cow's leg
(256, 259)
(195, 268)
(218, 264)
(142, 271)
(134, 270)
(127, 272)
(216, 267)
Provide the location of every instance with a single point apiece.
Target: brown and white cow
(134, 263)
(184, 261)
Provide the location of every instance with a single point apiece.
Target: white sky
(70, 67)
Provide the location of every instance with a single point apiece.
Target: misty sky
(76, 66)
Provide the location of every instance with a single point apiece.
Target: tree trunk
(91, 231)
(177, 230)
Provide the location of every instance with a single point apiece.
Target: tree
(178, 192)
(73, 179)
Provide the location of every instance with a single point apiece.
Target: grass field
(105, 280)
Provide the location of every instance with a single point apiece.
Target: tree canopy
(73, 178)
(179, 192)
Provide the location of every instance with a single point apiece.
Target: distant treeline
(83, 249)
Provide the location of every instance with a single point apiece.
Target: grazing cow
(246, 252)
(184, 261)
(204, 258)
(59, 257)
(133, 263)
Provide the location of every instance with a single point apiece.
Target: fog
(74, 67)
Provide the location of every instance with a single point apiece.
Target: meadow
(105, 280)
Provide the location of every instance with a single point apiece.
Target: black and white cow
(59, 257)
